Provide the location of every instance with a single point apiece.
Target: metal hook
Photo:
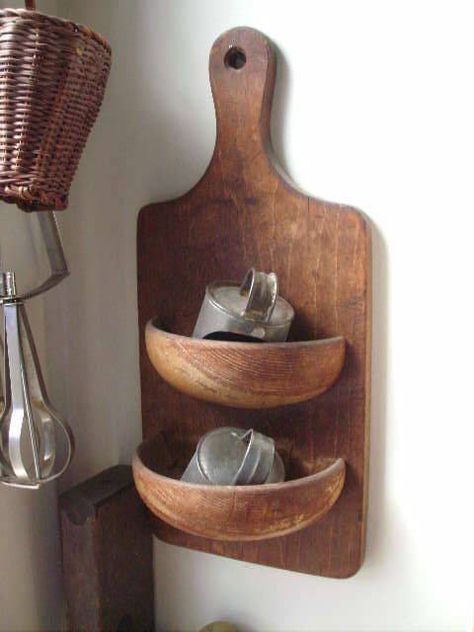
(56, 258)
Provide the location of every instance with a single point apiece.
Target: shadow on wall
(377, 518)
(280, 110)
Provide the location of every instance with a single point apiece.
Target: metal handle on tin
(262, 292)
(258, 459)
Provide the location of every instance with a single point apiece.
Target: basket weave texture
(52, 80)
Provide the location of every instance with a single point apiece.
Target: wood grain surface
(244, 212)
(245, 374)
(241, 512)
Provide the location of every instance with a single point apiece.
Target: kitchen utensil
(232, 456)
(36, 444)
(252, 309)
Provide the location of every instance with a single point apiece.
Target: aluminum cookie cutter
(232, 456)
(252, 310)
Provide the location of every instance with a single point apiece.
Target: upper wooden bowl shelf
(245, 374)
(225, 512)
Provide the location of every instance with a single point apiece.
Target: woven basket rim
(68, 24)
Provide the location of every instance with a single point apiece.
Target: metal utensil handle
(258, 459)
(56, 258)
(18, 392)
(262, 292)
(54, 250)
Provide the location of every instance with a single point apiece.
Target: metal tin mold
(252, 309)
(232, 456)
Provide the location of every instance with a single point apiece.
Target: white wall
(374, 108)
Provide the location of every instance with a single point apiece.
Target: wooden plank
(107, 554)
(244, 212)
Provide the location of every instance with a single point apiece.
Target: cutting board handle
(242, 68)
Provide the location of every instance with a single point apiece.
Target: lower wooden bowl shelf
(245, 374)
(240, 513)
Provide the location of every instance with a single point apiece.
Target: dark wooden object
(107, 555)
(244, 212)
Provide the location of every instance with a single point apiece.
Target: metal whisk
(36, 445)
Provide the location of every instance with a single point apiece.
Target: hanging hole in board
(235, 58)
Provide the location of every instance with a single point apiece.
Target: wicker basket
(52, 80)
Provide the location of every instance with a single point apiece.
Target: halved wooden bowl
(225, 512)
(245, 374)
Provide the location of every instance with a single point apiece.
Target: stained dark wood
(107, 555)
(234, 513)
(245, 374)
(244, 213)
